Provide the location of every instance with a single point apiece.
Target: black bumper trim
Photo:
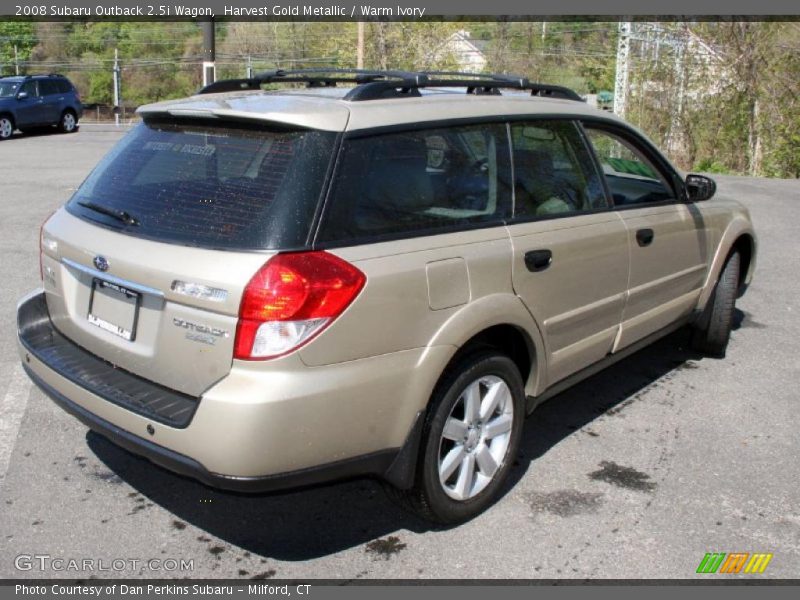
(374, 464)
(40, 338)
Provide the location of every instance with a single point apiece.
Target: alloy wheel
(476, 437)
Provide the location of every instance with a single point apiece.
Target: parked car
(32, 101)
(269, 289)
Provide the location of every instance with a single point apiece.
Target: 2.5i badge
(200, 333)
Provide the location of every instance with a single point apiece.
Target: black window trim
(648, 149)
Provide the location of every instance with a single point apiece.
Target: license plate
(114, 308)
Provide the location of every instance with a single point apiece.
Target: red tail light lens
(291, 299)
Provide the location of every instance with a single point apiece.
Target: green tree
(19, 35)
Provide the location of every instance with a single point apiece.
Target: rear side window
(48, 87)
(553, 170)
(211, 186)
(63, 86)
(419, 182)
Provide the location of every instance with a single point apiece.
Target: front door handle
(538, 260)
(644, 237)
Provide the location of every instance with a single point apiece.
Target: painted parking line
(12, 409)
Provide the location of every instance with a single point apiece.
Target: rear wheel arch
(500, 321)
(505, 338)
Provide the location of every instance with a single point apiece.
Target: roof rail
(312, 77)
(373, 85)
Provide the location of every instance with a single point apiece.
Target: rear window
(228, 187)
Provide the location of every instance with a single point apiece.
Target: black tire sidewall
(714, 329)
(445, 509)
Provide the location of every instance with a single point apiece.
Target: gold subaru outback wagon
(368, 273)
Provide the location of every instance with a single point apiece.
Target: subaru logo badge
(101, 263)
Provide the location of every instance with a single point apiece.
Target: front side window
(214, 185)
(553, 170)
(631, 177)
(419, 181)
(8, 88)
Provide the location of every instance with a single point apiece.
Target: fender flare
(736, 229)
(489, 311)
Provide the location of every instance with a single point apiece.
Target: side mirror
(699, 187)
(22, 95)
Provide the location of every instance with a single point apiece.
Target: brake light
(41, 244)
(290, 300)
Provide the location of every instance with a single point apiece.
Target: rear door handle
(644, 237)
(538, 260)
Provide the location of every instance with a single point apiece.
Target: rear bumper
(265, 426)
(376, 464)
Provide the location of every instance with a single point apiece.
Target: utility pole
(209, 52)
(117, 82)
(623, 66)
(16, 60)
(360, 46)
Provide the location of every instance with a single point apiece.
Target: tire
(68, 123)
(6, 127)
(460, 470)
(713, 331)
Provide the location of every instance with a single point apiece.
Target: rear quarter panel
(425, 292)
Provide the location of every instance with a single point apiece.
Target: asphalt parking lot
(635, 473)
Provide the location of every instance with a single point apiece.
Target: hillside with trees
(724, 98)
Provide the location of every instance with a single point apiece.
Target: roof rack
(31, 76)
(374, 85)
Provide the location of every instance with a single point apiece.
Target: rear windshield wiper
(119, 215)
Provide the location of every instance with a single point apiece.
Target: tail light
(52, 244)
(291, 299)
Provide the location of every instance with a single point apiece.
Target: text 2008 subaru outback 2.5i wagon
(262, 289)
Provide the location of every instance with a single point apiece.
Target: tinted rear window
(228, 187)
(48, 86)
